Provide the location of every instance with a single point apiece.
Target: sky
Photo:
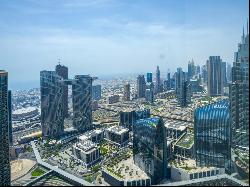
(104, 37)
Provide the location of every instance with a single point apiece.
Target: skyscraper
(215, 79)
(239, 95)
(10, 117)
(191, 69)
(4, 129)
(126, 92)
(229, 72)
(224, 72)
(204, 73)
(212, 135)
(149, 95)
(141, 86)
(82, 102)
(149, 147)
(149, 77)
(97, 92)
(158, 80)
(52, 116)
(63, 72)
(184, 97)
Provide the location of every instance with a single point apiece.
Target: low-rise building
(95, 136)
(175, 129)
(117, 135)
(113, 99)
(87, 151)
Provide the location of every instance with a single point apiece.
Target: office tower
(149, 147)
(204, 73)
(184, 97)
(4, 129)
(215, 79)
(128, 118)
(62, 71)
(82, 102)
(239, 95)
(182, 88)
(141, 86)
(158, 80)
(97, 92)
(52, 112)
(224, 72)
(126, 92)
(212, 135)
(168, 82)
(10, 117)
(191, 69)
(149, 77)
(149, 92)
(229, 73)
(198, 69)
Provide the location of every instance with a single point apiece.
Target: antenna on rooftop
(59, 61)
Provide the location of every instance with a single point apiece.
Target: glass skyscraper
(97, 92)
(215, 76)
(149, 148)
(52, 115)
(149, 77)
(212, 135)
(82, 102)
(239, 95)
(4, 131)
(63, 72)
(10, 116)
(141, 86)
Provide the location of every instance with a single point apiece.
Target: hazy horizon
(105, 37)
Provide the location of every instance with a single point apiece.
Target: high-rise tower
(63, 72)
(4, 129)
(52, 116)
(141, 86)
(126, 92)
(239, 94)
(158, 80)
(82, 102)
(215, 78)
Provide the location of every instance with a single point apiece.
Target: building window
(191, 176)
(200, 175)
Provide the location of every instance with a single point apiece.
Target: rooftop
(186, 141)
(86, 146)
(118, 129)
(149, 121)
(178, 125)
(24, 110)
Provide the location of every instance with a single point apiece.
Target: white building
(87, 151)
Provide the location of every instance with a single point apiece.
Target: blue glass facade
(149, 77)
(149, 147)
(212, 140)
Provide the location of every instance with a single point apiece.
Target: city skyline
(129, 37)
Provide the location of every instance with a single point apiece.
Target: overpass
(77, 181)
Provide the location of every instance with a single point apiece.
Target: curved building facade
(212, 135)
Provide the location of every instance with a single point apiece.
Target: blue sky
(101, 37)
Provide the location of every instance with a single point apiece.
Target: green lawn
(37, 172)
